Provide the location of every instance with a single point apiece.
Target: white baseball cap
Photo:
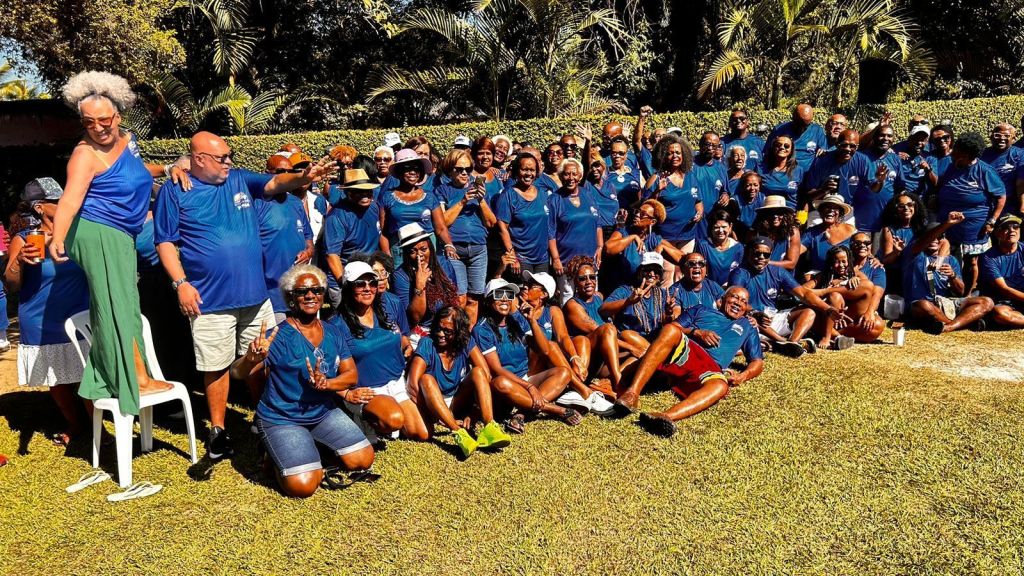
(356, 270)
(920, 129)
(392, 139)
(462, 141)
(542, 278)
(675, 130)
(652, 258)
(497, 284)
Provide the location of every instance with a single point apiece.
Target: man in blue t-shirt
(353, 227)
(740, 135)
(1002, 272)
(643, 143)
(694, 353)
(870, 201)
(933, 287)
(808, 136)
(1007, 161)
(692, 289)
(834, 127)
(785, 328)
(843, 171)
(209, 244)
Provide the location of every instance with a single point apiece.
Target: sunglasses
(695, 264)
(759, 255)
(287, 170)
(104, 122)
(316, 290)
(783, 146)
(383, 275)
(503, 294)
(905, 205)
(364, 284)
(943, 138)
(448, 331)
(738, 119)
(221, 159)
(384, 160)
(586, 277)
(1010, 226)
(461, 169)
(570, 146)
(614, 153)
(860, 243)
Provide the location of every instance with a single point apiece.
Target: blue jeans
(293, 446)
(470, 268)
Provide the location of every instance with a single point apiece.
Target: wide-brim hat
(357, 179)
(410, 234)
(774, 202)
(835, 200)
(408, 156)
(542, 278)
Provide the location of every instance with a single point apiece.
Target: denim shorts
(470, 268)
(293, 446)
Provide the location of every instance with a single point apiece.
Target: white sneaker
(5, 345)
(572, 398)
(600, 405)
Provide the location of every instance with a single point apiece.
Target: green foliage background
(977, 114)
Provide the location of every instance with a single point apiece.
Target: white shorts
(780, 322)
(220, 337)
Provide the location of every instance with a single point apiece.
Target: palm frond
(429, 81)
(728, 65)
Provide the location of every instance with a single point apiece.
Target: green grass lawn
(878, 460)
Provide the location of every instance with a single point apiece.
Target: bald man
(693, 354)
(1008, 161)
(209, 244)
(808, 136)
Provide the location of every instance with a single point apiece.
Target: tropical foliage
(17, 88)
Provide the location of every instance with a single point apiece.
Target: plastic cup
(899, 336)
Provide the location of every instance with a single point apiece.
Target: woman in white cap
(832, 231)
(450, 377)
(539, 291)
(644, 305)
(409, 203)
(503, 334)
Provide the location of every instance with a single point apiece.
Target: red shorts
(690, 364)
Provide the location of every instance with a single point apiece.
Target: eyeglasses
(556, 152)
(288, 171)
(503, 294)
(738, 119)
(316, 290)
(222, 159)
(384, 160)
(461, 169)
(645, 216)
(586, 277)
(103, 122)
(759, 255)
(713, 146)
(383, 275)
(364, 284)
(695, 264)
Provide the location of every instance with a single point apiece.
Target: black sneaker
(218, 445)
(791, 349)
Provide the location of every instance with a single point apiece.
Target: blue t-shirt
(448, 380)
(646, 161)
(50, 294)
(514, 356)
(972, 190)
(778, 183)
(545, 184)
(606, 199)
(720, 262)
(217, 232)
(914, 177)
(289, 398)
(468, 227)
(680, 207)
(145, 249)
(378, 354)
(853, 174)
(868, 205)
(708, 295)
(395, 311)
(573, 228)
(592, 309)
(764, 286)
(402, 287)
(874, 273)
(994, 265)
(918, 281)
(349, 230)
(632, 162)
(284, 230)
(753, 144)
(527, 222)
(626, 188)
(806, 145)
(748, 210)
(1007, 164)
(818, 246)
(119, 196)
(735, 335)
(398, 213)
(710, 180)
(629, 259)
(644, 316)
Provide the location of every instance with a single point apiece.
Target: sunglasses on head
(316, 290)
(504, 294)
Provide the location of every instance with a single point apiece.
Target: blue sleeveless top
(119, 196)
(50, 293)
(592, 310)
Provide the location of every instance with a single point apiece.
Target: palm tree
(763, 40)
(17, 88)
(233, 41)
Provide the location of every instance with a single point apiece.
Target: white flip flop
(88, 479)
(135, 491)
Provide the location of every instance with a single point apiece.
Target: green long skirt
(107, 255)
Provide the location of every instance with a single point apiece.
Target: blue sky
(25, 70)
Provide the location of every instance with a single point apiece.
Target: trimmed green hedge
(252, 151)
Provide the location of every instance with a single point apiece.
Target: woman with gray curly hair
(303, 365)
(102, 210)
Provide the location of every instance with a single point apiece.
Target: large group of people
(368, 297)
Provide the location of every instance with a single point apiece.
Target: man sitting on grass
(933, 285)
(700, 376)
(1002, 273)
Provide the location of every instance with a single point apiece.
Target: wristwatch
(991, 222)
(177, 283)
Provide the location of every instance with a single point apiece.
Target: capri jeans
(470, 268)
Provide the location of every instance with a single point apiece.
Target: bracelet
(167, 169)
(447, 246)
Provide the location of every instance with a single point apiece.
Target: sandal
(88, 479)
(516, 424)
(572, 417)
(335, 479)
(138, 490)
(60, 439)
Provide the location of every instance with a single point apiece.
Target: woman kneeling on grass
(848, 289)
(502, 334)
(451, 374)
(306, 362)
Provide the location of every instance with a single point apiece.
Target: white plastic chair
(124, 423)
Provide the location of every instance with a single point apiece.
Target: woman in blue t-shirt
(306, 364)
(746, 199)
(503, 334)
(721, 251)
(777, 222)
(626, 245)
(845, 288)
(572, 221)
(831, 232)
(411, 202)
(424, 282)
(904, 219)
(780, 173)
(523, 218)
(671, 186)
(449, 376)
